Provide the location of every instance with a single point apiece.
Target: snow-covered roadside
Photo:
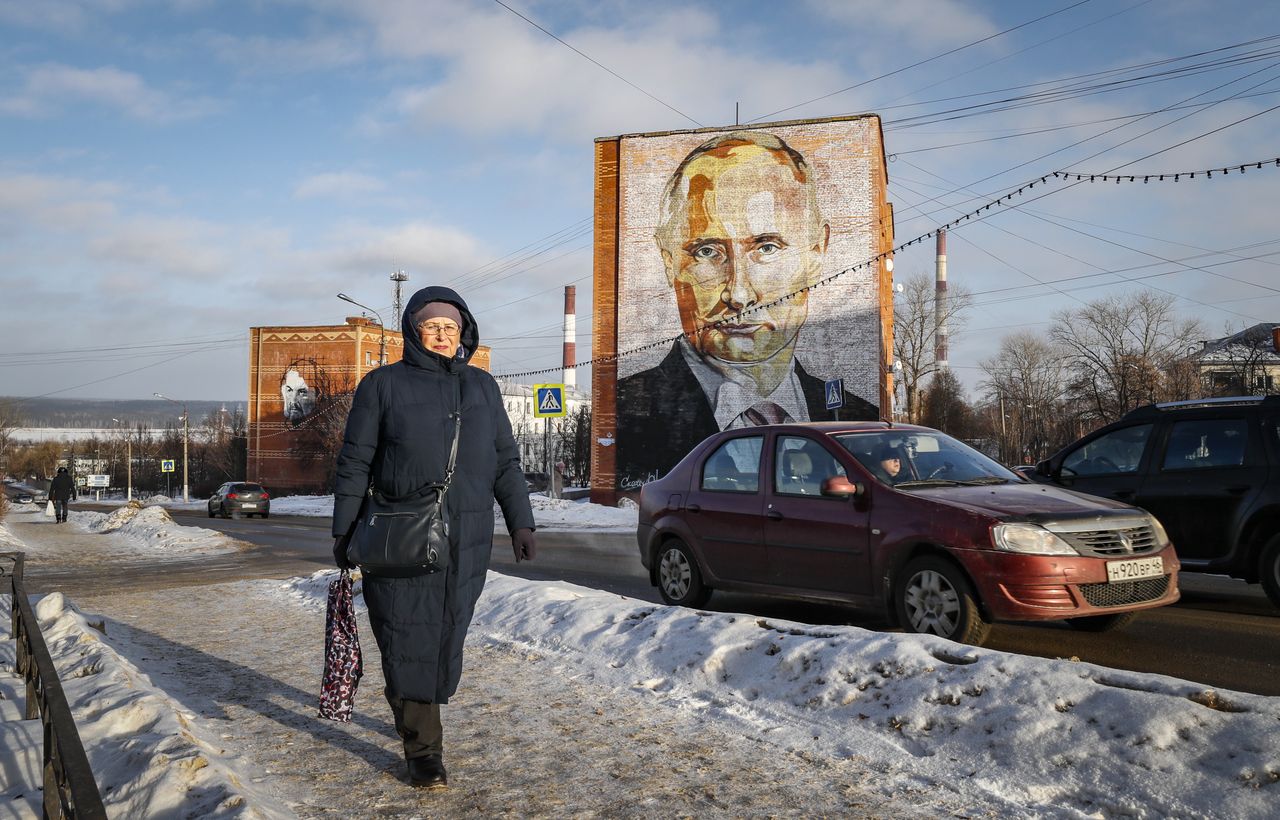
(150, 757)
(854, 710)
(1030, 736)
(548, 513)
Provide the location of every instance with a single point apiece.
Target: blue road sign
(835, 394)
(166, 465)
(548, 401)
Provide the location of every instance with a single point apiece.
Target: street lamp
(186, 496)
(382, 347)
(128, 463)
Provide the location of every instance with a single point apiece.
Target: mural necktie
(765, 412)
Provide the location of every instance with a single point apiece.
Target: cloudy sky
(173, 173)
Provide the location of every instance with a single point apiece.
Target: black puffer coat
(399, 433)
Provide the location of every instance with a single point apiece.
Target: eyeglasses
(439, 330)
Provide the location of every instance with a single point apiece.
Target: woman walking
(398, 438)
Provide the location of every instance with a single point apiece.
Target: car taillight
(264, 495)
(231, 495)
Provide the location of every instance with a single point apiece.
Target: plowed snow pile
(151, 528)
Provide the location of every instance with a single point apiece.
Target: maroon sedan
(899, 518)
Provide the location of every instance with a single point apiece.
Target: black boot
(427, 772)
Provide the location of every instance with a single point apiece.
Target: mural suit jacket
(398, 436)
(663, 413)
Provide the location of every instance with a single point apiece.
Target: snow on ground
(149, 755)
(895, 715)
(549, 513)
(144, 530)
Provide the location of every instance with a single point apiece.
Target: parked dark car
(951, 543)
(1208, 469)
(240, 498)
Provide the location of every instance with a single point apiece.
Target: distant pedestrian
(398, 439)
(61, 490)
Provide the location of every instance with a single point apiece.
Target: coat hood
(415, 352)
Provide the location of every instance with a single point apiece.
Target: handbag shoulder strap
(457, 430)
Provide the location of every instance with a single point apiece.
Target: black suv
(1209, 470)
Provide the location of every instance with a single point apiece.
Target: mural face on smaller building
(297, 396)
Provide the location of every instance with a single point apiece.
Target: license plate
(249, 506)
(1132, 570)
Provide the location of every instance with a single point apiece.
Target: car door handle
(1239, 490)
(693, 508)
(1124, 493)
(773, 515)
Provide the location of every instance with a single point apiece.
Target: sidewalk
(524, 736)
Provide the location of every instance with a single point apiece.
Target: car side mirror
(839, 486)
(1044, 468)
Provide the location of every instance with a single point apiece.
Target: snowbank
(1028, 735)
(150, 757)
(151, 529)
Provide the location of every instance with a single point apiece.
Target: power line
(601, 65)
(921, 62)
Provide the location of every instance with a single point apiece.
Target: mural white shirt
(730, 399)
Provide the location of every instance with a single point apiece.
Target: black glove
(523, 544)
(340, 552)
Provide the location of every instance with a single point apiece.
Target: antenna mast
(398, 277)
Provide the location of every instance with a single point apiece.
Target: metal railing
(69, 787)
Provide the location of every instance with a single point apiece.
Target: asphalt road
(1223, 633)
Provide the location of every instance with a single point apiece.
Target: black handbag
(409, 534)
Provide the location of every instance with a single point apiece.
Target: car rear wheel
(1102, 623)
(211, 512)
(933, 597)
(679, 579)
(1269, 569)
(225, 512)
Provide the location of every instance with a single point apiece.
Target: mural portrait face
(297, 397)
(740, 228)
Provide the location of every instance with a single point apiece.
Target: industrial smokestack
(940, 303)
(570, 334)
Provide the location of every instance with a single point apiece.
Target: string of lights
(875, 260)
(1174, 176)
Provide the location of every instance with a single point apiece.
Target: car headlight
(1030, 539)
(1162, 537)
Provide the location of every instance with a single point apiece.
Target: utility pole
(186, 496)
(128, 463)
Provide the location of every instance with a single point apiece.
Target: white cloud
(919, 23)
(51, 87)
(538, 87)
(337, 185)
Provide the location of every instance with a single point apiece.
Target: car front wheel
(933, 597)
(1102, 623)
(679, 579)
(1269, 569)
(211, 512)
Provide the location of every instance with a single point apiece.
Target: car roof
(836, 427)
(1152, 411)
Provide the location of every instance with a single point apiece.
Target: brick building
(812, 194)
(300, 381)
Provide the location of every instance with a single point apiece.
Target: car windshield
(914, 459)
(246, 488)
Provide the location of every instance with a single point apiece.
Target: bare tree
(576, 444)
(945, 407)
(1026, 388)
(915, 333)
(1242, 363)
(1121, 350)
(10, 420)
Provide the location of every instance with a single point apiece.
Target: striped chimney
(570, 334)
(940, 303)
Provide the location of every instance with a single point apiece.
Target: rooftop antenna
(398, 277)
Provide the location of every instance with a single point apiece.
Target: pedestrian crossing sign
(166, 465)
(548, 401)
(835, 394)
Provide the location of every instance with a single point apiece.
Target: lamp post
(382, 346)
(128, 463)
(186, 496)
